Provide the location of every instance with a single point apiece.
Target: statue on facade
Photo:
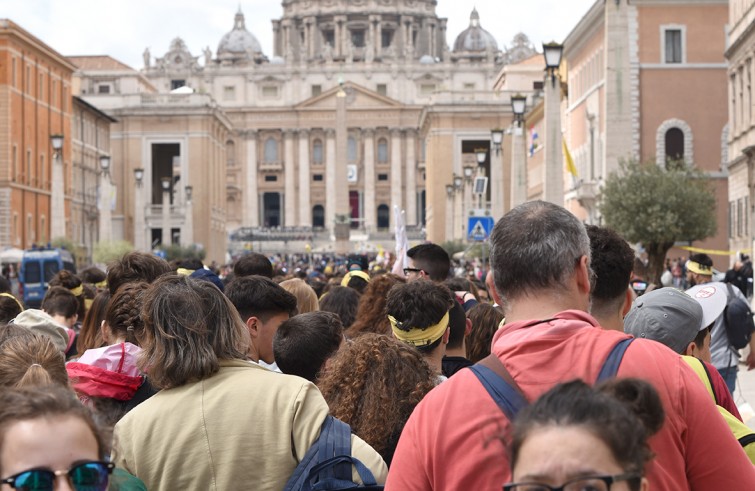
(369, 51)
(349, 52)
(327, 52)
(146, 57)
(207, 56)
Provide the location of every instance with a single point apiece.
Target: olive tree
(658, 207)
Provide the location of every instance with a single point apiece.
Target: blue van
(38, 266)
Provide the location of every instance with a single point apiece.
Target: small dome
(475, 38)
(239, 42)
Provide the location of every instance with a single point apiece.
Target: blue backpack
(506, 394)
(328, 462)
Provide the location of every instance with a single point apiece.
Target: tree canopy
(658, 207)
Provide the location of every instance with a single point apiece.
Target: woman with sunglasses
(30, 460)
(576, 437)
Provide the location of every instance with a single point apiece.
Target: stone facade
(740, 132)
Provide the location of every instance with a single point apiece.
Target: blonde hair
(306, 298)
(31, 362)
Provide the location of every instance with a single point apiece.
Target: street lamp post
(57, 200)
(497, 190)
(468, 178)
(482, 155)
(553, 181)
(166, 238)
(138, 210)
(188, 236)
(518, 161)
(458, 216)
(106, 228)
(449, 212)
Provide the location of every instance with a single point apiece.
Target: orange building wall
(35, 105)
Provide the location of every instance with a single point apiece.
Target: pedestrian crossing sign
(479, 228)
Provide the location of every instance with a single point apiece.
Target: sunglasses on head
(86, 476)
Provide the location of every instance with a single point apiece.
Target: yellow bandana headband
(102, 284)
(420, 337)
(184, 271)
(78, 291)
(14, 298)
(698, 268)
(351, 274)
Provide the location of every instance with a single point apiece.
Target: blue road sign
(479, 228)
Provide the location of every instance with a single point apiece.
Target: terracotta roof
(98, 62)
(535, 59)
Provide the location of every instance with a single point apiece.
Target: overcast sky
(123, 28)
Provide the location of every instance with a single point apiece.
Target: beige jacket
(243, 428)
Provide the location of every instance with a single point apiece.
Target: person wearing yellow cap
(419, 315)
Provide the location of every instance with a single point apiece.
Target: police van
(38, 266)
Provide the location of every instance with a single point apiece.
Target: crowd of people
(546, 372)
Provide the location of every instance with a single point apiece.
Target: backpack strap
(334, 441)
(611, 365)
(498, 382)
(500, 385)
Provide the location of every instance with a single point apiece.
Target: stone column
(370, 210)
(305, 206)
(342, 211)
(378, 35)
(411, 178)
(330, 178)
(139, 225)
(395, 172)
(251, 212)
(518, 169)
(289, 176)
(553, 180)
(166, 239)
(106, 221)
(340, 34)
(57, 199)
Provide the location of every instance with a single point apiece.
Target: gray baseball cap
(666, 315)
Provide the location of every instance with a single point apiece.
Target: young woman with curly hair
(371, 316)
(373, 384)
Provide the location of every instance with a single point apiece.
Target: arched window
(352, 150)
(383, 217)
(271, 150)
(674, 140)
(318, 216)
(674, 143)
(382, 148)
(317, 151)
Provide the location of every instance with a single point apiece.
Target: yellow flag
(569, 160)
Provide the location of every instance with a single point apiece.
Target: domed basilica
(360, 109)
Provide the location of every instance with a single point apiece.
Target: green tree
(658, 207)
(175, 251)
(106, 252)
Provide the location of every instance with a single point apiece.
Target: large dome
(239, 41)
(475, 38)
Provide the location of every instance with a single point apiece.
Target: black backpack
(327, 464)
(737, 320)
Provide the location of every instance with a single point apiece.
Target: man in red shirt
(540, 258)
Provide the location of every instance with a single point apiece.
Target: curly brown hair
(373, 384)
(371, 316)
(485, 320)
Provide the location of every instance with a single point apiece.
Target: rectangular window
(329, 37)
(357, 38)
(739, 217)
(229, 93)
(177, 84)
(317, 177)
(270, 91)
(28, 166)
(41, 86)
(469, 86)
(316, 90)
(13, 72)
(382, 89)
(28, 79)
(746, 217)
(271, 178)
(382, 177)
(386, 38)
(14, 163)
(426, 89)
(103, 89)
(731, 219)
(673, 45)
